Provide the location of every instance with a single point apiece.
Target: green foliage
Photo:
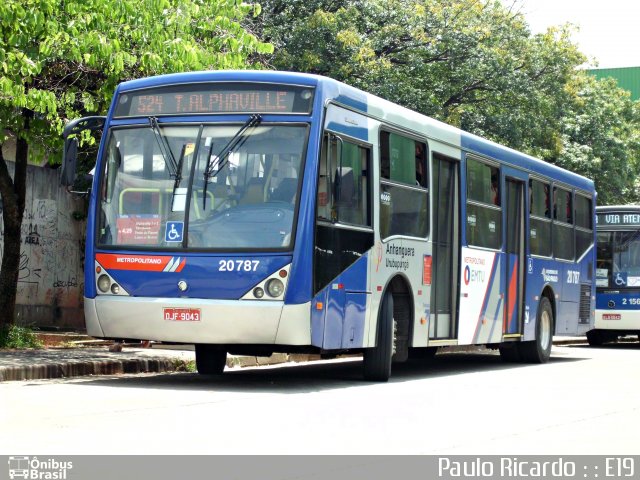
(180, 365)
(601, 138)
(63, 60)
(440, 57)
(474, 64)
(13, 336)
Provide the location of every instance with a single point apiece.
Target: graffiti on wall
(51, 244)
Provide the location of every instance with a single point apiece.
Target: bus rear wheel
(377, 360)
(539, 350)
(210, 359)
(510, 353)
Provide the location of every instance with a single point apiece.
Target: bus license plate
(182, 314)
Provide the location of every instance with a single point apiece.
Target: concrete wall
(51, 280)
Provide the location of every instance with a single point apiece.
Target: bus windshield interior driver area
(252, 212)
(181, 176)
(617, 274)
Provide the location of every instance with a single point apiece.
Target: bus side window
(540, 218)
(484, 216)
(325, 187)
(583, 223)
(563, 232)
(495, 186)
(351, 197)
(343, 184)
(403, 186)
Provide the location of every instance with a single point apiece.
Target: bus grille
(585, 304)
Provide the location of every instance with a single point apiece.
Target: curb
(79, 369)
(141, 364)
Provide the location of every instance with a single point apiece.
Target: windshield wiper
(221, 160)
(165, 150)
(179, 166)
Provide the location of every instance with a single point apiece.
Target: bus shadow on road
(322, 375)
(622, 345)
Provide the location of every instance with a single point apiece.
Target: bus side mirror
(69, 161)
(70, 155)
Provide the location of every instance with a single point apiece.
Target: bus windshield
(618, 259)
(183, 186)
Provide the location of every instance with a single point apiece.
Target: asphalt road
(584, 401)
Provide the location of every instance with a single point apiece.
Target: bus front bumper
(617, 320)
(220, 321)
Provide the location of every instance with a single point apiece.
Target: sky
(609, 30)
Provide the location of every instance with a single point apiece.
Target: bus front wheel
(377, 360)
(539, 350)
(210, 359)
(595, 338)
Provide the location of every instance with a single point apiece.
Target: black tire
(539, 350)
(210, 359)
(510, 352)
(377, 360)
(595, 338)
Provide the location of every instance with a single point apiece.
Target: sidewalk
(80, 355)
(74, 355)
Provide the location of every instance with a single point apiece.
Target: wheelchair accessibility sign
(174, 232)
(620, 279)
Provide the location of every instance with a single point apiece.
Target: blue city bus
(252, 212)
(617, 274)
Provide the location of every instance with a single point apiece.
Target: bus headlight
(275, 287)
(104, 282)
(271, 288)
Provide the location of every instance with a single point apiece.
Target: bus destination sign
(618, 219)
(215, 98)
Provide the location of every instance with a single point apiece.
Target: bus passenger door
(344, 236)
(446, 248)
(515, 256)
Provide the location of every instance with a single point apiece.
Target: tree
(601, 138)
(62, 60)
(473, 64)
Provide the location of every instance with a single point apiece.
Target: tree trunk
(13, 194)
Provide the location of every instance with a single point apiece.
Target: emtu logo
(18, 467)
(473, 275)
